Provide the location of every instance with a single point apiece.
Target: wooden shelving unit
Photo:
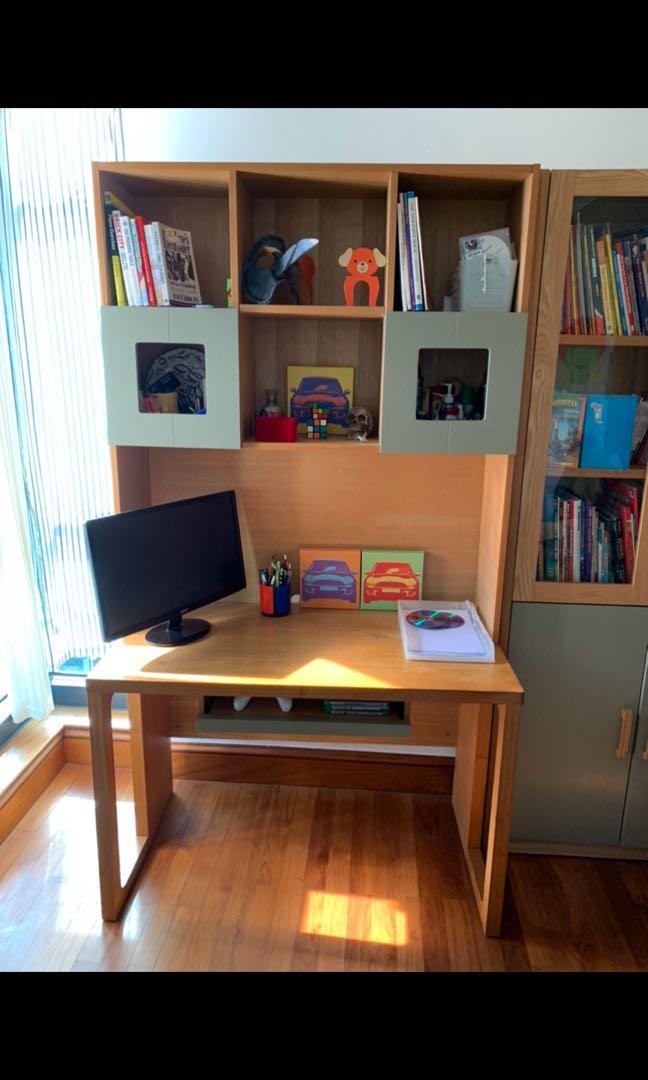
(621, 198)
(337, 491)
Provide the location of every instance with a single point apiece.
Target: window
(48, 270)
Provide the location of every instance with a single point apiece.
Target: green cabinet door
(579, 665)
(635, 817)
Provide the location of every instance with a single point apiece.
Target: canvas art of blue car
(315, 390)
(328, 579)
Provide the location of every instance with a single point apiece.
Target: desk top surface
(307, 654)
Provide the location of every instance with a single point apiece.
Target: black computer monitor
(156, 564)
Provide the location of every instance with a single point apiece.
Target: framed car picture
(329, 577)
(329, 387)
(389, 576)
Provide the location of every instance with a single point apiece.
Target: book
(139, 268)
(140, 222)
(415, 251)
(426, 299)
(124, 244)
(607, 431)
(566, 431)
(111, 203)
(173, 266)
(402, 254)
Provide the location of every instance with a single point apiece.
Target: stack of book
(356, 708)
(153, 265)
(414, 290)
(606, 283)
(590, 539)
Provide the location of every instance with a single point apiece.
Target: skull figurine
(359, 423)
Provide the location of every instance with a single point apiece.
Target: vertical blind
(48, 266)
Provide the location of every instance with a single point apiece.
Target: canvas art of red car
(391, 581)
(321, 391)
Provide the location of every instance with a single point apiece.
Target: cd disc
(434, 620)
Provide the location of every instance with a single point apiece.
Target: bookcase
(450, 497)
(612, 365)
(580, 646)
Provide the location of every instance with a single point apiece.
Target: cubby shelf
(311, 311)
(634, 340)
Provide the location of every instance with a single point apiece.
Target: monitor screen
(157, 563)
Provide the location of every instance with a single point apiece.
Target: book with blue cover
(607, 432)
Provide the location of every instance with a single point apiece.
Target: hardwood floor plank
(248, 877)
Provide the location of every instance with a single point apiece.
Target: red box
(275, 429)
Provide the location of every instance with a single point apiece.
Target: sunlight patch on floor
(356, 918)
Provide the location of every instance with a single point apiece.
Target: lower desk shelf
(263, 716)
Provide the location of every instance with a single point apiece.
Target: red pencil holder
(275, 600)
(275, 429)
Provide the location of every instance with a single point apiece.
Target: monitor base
(178, 631)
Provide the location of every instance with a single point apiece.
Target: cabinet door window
(598, 433)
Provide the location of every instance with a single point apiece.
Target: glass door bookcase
(582, 536)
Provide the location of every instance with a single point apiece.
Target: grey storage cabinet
(580, 665)
(503, 335)
(124, 328)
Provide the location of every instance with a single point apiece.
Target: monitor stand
(177, 631)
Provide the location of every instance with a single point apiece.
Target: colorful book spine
(612, 275)
(640, 286)
(123, 256)
(619, 292)
(597, 302)
(415, 252)
(573, 288)
(630, 284)
(426, 299)
(113, 252)
(580, 279)
(140, 222)
(153, 233)
(608, 306)
(402, 252)
(139, 269)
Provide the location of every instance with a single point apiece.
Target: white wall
(556, 138)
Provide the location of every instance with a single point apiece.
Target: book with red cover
(140, 222)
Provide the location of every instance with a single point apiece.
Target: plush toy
(361, 264)
(260, 282)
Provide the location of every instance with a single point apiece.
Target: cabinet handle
(623, 745)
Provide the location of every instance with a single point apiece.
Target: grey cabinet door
(501, 335)
(635, 817)
(579, 665)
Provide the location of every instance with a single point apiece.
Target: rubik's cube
(318, 424)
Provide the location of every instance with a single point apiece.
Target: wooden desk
(309, 654)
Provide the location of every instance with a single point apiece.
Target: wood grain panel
(25, 793)
(498, 476)
(350, 498)
(561, 195)
(443, 221)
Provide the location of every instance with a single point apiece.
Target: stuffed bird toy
(260, 282)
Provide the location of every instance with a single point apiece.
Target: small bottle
(449, 410)
(271, 406)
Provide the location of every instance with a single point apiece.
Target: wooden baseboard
(287, 765)
(30, 785)
(579, 851)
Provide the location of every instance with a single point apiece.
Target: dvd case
(444, 630)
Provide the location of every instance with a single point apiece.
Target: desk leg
(486, 748)
(152, 784)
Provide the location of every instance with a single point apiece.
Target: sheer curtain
(23, 657)
(48, 266)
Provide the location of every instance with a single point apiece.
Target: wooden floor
(246, 877)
